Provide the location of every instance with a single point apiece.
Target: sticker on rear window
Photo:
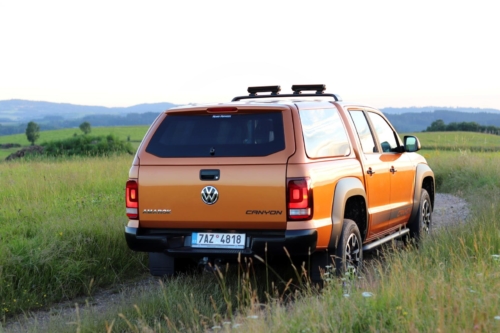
(221, 116)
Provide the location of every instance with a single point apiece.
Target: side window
(365, 135)
(385, 134)
(324, 133)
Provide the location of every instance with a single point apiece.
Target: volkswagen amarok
(267, 171)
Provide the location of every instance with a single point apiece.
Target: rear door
(376, 173)
(205, 169)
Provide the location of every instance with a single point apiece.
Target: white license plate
(218, 240)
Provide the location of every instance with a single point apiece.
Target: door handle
(208, 174)
(370, 172)
(392, 170)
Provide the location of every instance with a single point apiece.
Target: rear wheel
(348, 255)
(349, 252)
(421, 224)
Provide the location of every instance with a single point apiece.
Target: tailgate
(233, 197)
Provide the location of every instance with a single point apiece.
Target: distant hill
(415, 109)
(417, 122)
(15, 114)
(17, 110)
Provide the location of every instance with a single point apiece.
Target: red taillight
(132, 199)
(299, 199)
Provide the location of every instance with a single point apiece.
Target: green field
(458, 141)
(135, 133)
(61, 235)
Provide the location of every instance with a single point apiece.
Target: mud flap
(161, 264)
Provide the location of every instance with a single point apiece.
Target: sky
(122, 53)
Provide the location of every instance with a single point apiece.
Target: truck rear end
(211, 182)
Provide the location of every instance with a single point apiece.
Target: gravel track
(449, 210)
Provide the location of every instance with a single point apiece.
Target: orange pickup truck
(302, 171)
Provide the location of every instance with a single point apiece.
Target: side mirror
(412, 144)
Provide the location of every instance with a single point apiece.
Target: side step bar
(386, 239)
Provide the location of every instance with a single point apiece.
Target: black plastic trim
(297, 242)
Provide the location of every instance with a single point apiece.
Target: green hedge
(87, 145)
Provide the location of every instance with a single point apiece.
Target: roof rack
(296, 88)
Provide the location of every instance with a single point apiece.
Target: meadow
(61, 235)
(61, 230)
(134, 134)
(456, 141)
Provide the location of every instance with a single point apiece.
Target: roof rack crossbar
(297, 91)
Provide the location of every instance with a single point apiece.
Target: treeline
(12, 129)
(57, 122)
(440, 126)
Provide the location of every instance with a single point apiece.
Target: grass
(135, 133)
(457, 141)
(61, 230)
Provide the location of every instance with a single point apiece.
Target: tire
(349, 252)
(421, 224)
(161, 264)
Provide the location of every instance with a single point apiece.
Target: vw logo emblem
(209, 195)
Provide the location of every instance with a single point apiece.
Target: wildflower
(253, 317)
(367, 294)
(346, 295)
(216, 327)
(497, 318)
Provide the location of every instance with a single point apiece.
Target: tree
(32, 132)
(85, 127)
(437, 126)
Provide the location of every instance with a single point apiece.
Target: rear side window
(219, 135)
(324, 133)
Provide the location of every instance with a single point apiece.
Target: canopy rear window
(218, 135)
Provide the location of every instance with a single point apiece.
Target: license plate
(218, 240)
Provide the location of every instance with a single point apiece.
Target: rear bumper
(177, 243)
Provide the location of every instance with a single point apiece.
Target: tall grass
(61, 230)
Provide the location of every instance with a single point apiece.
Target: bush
(88, 146)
